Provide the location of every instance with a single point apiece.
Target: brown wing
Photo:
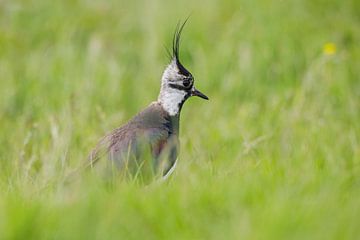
(164, 148)
(121, 146)
(114, 142)
(151, 130)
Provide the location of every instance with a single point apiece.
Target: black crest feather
(176, 48)
(176, 40)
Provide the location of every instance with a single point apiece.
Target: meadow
(274, 154)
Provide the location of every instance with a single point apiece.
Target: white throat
(171, 99)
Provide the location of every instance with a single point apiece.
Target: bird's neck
(172, 100)
(174, 120)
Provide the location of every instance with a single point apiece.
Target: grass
(274, 154)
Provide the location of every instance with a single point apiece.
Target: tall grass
(274, 154)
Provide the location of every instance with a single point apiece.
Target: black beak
(195, 92)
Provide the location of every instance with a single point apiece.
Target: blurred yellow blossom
(329, 48)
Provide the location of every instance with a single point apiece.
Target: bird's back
(148, 142)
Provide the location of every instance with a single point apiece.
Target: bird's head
(177, 83)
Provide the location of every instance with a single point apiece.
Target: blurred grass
(274, 154)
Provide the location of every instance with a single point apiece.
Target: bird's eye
(186, 82)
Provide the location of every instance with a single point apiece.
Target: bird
(148, 144)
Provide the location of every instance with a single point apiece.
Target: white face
(175, 88)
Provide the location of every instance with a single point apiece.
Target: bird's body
(151, 133)
(150, 140)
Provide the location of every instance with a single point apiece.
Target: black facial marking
(182, 102)
(180, 87)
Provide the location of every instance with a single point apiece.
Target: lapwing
(150, 140)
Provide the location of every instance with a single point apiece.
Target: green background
(274, 154)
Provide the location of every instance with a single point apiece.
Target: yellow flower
(329, 48)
